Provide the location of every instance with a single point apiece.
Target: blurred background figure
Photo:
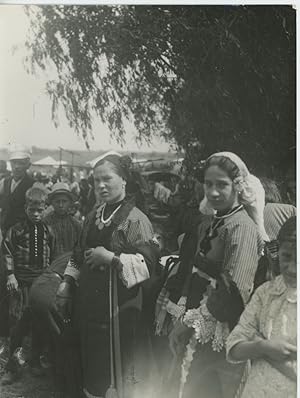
(276, 213)
(14, 187)
(84, 192)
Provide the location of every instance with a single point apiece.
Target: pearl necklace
(100, 221)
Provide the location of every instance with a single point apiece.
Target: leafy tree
(207, 78)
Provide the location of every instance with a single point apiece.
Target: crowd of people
(86, 288)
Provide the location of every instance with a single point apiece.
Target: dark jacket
(13, 204)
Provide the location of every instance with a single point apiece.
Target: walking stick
(112, 390)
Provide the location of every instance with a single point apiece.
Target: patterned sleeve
(241, 256)
(139, 230)
(138, 265)
(248, 325)
(7, 248)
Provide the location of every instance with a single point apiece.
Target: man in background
(12, 191)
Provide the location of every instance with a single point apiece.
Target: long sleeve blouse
(271, 313)
(236, 246)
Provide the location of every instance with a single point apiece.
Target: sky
(25, 109)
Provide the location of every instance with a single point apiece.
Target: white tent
(49, 161)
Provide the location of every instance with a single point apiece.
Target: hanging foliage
(205, 77)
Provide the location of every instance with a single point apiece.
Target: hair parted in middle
(120, 164)
(223, 163)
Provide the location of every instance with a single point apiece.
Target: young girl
(267, 331)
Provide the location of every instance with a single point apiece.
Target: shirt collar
(14, 184)
(278, 287)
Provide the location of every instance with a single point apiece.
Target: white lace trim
(186, 363)
(175, 310)
(134, 269)
(206, 327)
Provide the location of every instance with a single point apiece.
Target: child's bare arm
(276, 350)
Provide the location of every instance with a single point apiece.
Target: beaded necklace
(100, 221)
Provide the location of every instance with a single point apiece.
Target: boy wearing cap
(65, 227)
(27, 251)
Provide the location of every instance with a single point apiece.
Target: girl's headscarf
(251, 193)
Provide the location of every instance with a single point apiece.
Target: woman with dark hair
(207, 290)
(113, 261)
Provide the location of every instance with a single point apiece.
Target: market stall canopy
(49, 161)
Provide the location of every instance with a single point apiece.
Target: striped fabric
(241, 255)
(66, 231)
(275, 215)
(27, 250)
(238, 245)
(136, 228)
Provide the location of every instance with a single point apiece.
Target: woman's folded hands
(98, 257)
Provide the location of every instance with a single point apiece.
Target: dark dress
(129, 233)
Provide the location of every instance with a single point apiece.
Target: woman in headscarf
(207, 290)
(113, 261)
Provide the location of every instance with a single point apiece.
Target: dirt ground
(29, 386)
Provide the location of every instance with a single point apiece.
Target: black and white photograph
(148, 230)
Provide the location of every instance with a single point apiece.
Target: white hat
(17, 151)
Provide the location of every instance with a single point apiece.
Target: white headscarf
(251, 193)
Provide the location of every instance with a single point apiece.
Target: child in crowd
(27, 251)
(267, 331)
(65, 227)
(66, 230)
